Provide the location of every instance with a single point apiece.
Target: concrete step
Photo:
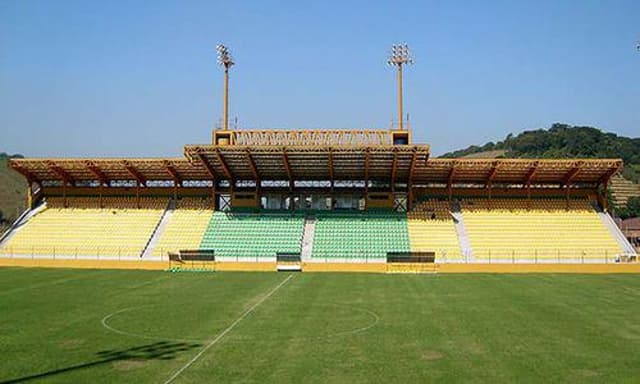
(307, 238)
(461, 231)
(617, 234)
(157, 233)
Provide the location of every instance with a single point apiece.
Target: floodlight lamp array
(399, 55)
(224, 56)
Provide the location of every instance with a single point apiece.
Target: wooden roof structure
(406, 164)
(105, 170)
(383, 163)
(333, 155)
(518, 171)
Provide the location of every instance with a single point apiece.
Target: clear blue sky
(138, 78)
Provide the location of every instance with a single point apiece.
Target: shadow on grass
(162, 350)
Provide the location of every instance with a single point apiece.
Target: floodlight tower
(225, 60)
(398, 57)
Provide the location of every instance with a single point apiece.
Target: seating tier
(432, 229)
(186, 226)
(362, 235)
(541, 228)
(78, 230)
(249, 235)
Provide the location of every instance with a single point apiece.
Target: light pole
(399, 55)
(225, 59)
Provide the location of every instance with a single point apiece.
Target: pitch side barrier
(192, 260)
(289, 261)
(411, 257)
(411, 262)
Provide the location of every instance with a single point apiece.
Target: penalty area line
(227, 330)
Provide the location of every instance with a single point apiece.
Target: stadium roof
(104, 170)
(311, 155)
(517, 171)
(402, 163)
(382, 162)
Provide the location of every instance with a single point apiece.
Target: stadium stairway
(432, 229)
(616, 233)
(307, 238)
(186, 226)
(159, 230)
(20, 221)
(461, 231)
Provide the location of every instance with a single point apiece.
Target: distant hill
(565, 141)
(12, 191)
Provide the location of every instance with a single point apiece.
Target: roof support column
(330, 161)
(214, 179)
(287, 166)
(527, 181)
(604, 183)
(490, 189)
(29, 196)
(394, 170)
(452, 173)
(414, 160)
(256, 176)
(602, 196)
(568, 181)
(177, 180)
(366, 179)
(492, 175)
(138, 195)
(64, 194)
(213, 195)
(410, 196)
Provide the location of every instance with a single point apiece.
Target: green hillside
(12, 192)
(565, 141)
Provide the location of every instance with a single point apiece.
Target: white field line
(105, 324)
(229, 328)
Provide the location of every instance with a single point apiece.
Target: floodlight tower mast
(399, 56)
(225, 60)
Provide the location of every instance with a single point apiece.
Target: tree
(632, 209)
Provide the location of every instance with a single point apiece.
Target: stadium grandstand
(318, 197)
(339, 196)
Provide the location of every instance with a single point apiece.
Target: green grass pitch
(93, 326)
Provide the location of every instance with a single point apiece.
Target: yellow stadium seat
(431, 228)
(540, 229)
(85, 229)
(186, 227)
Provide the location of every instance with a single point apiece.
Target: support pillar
(64, 193)
(29, 201)
(213, 195)
(604, 201)
(101, 205)
(410, 198)
(490, 187)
